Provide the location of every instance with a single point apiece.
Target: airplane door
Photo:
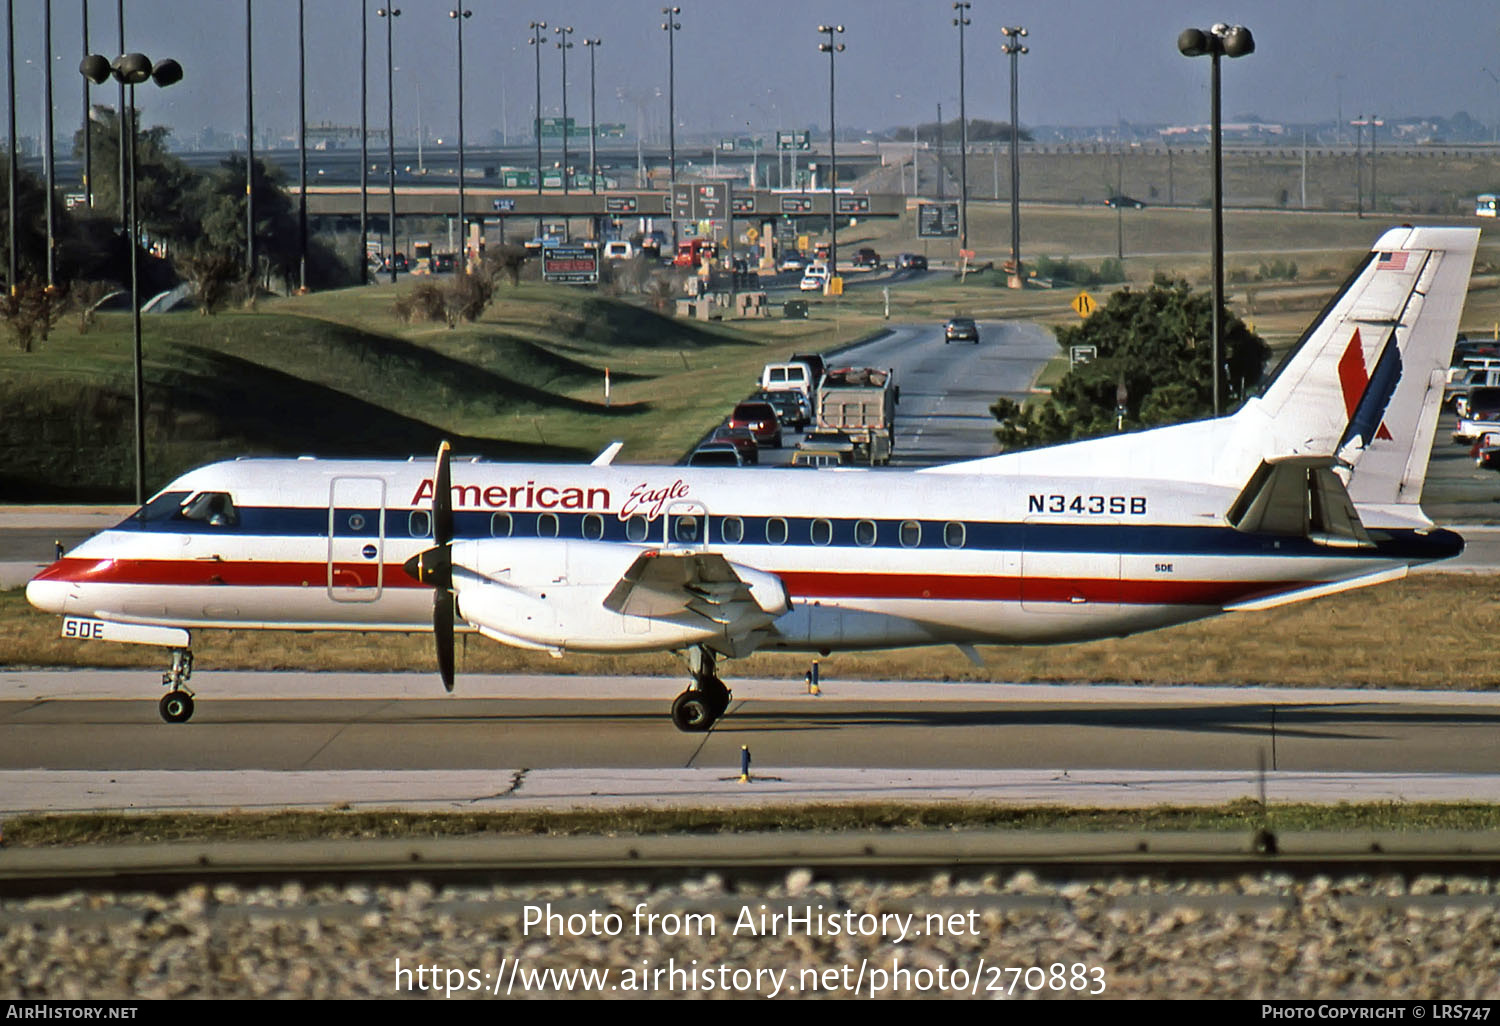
(356, 539)
(1059, 573)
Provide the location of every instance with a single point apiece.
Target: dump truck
(861, 403)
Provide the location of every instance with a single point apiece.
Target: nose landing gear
(177, 705)
(699, 707)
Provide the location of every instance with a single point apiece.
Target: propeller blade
(442, 632)
(442, 499)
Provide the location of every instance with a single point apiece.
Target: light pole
(563, 44)
(132, 69)
(88, 135)
(1014, 49)
(1359, 124)
(459, 15)
(671, 27)
(593, 46)
(363, 256)
(1375, 123)
(831, 48)
(51, 173)
(249, 143)
(537, 28)
(10, 78)
(962, 8)
(1219, 41)
(390, 15)
(301, 147)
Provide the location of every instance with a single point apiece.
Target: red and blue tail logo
(1367, 395)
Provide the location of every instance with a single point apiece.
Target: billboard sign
(570, 265)
(937, 220)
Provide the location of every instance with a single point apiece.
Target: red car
(741, 439)
(1486, 451)
(760, 420)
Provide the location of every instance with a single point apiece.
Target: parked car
(960, 329)
(618, 249)
(1481, 413)
(867, 257)
(1486, 451)
(911, 261)
(815, 362)
(1128, 202)
(792, 408)
(716, 454)
(741, 439)
(833, 443)
(760, 420)
(793, 261)
(816, 458)
(814, 278)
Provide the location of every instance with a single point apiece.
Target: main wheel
(176, 706)
(692, 713)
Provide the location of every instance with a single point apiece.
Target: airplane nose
(48, 596)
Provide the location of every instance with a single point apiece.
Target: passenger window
(501, 525)
(685, 529)
(731, 530)
(953, 535)
(864, 532)
(822, 532)
(776, 531)
(213, 508)
(419, 523)
(593, 527)
(911, 534)
(636, 528)
(546, 525)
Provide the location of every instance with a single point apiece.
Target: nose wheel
(176, 706)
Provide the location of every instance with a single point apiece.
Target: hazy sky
(756, 61)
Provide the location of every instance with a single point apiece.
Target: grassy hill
(338, 375)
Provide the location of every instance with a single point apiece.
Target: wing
(662, 585)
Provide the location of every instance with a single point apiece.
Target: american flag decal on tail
(1393, 261)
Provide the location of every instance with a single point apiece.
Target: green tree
(164, 185)
(1158, 344)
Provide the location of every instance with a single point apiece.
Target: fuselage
(868, 558)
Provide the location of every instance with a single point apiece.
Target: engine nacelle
(550, 594)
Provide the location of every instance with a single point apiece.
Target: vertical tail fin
(1365, 383)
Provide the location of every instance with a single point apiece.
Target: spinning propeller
(434, 567)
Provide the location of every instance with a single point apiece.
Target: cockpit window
(213, 508)
(163, 507)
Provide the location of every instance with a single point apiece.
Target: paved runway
(93, 740)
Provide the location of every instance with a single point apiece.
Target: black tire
(176, 706)
(692, 713)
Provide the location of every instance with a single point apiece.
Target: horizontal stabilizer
(1299, 496)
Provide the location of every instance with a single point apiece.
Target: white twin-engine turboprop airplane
(1310, 489)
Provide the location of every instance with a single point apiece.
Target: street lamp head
(132, 68)
(1237, 41)
(537, 25)
(1193, 42)
(563, 30)
(674, 11)
(1221, 40)
(460, 14)
(393, 12)
(95, 68)
(167, 72)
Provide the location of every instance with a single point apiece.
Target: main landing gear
(700, 706)
(177, 705)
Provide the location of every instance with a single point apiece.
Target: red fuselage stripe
(801, 584)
